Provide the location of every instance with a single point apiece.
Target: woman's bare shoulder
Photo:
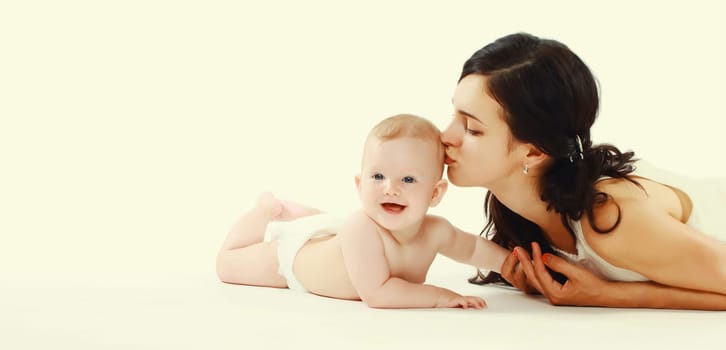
(626, 217)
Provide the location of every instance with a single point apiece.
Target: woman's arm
(687, 268)
(583, 288)
(654, 244)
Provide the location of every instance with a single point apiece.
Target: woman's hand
(583, 288)
(512, 270)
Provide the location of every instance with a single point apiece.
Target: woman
(615, 231)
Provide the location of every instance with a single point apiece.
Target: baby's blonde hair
(409, 125)
(406, 125)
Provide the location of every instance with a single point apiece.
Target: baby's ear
(357, 182)
(439, 191)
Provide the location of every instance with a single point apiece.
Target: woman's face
(480, 150)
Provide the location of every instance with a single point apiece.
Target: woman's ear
(533, 157)
(439, 191)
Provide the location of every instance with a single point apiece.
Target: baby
(379, 254)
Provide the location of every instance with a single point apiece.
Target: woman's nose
(451, 136)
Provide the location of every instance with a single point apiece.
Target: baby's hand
(451, 299)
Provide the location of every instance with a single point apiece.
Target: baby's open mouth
(393, 207)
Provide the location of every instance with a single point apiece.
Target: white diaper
(292, 235)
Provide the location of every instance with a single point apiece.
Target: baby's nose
(390, 189)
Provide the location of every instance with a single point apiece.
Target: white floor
(195, 311)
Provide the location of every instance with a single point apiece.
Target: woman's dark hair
(549, 99)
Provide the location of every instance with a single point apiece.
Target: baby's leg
(244, 258)
(251, 227)
(255, 265)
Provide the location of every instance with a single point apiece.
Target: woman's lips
(448, 161)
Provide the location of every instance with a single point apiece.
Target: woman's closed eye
(471, 128)
(473, 132)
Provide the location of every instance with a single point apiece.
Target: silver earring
(526, 169)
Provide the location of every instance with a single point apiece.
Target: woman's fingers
(572, 272)
(525, 262)
(549, 285)
(520, 271)
(508, 268)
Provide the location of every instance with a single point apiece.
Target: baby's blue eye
(409, 180)
(378, 176)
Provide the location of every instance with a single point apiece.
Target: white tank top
(708, 197)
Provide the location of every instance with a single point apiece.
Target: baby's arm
(468, 248)
(370, 275)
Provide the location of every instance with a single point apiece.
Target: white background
(133, 133)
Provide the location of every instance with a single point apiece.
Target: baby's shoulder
(358, 219)
(436, 226)
(435, 221)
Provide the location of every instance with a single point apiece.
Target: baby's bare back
(320, 268)
(319, 265)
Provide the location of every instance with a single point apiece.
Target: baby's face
(397, 180)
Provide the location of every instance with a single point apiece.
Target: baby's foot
(291, 211)
(282, 210)
(271, 206)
